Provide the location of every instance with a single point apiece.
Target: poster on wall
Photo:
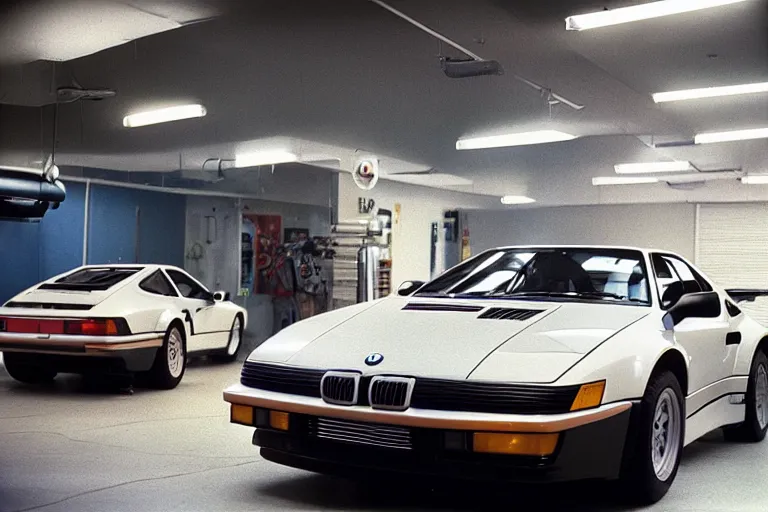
(265, 242)
(247, 256)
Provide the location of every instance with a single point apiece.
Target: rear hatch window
(91, 279)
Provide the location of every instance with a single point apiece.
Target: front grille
(449, 395)
(368, 434)
(283, 379)
(392, 393)
(340, 388)
(509, 314)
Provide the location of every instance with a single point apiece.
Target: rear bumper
(590, 446)
(71, 353)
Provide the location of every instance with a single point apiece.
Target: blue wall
(112, 233)
(32, 252)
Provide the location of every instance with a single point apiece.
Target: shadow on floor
(324, 492)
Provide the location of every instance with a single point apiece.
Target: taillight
(96, 327)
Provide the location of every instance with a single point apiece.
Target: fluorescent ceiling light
(517, 200)
(164, 115)
(640, 12)
(652, 167)
(623, 180)
(755, 179)
(264, 158)
(709, 138)
(710, 92)
(513, 139)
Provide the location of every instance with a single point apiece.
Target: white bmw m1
(527, 364)
(119, 319)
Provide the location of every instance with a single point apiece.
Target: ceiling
(345, 77)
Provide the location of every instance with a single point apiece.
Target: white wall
(218, 267)
(420, 207)
(662, 226)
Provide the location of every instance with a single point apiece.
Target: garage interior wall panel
(662, 226)
(115, 235)
(34, 251)
(732, 249)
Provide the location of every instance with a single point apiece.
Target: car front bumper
(78, 353)
(590, 444)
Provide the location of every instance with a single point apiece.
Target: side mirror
(221, 296)
(409, 287)
(693, 305)
(672, 294)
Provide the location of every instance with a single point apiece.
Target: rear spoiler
(746, 295)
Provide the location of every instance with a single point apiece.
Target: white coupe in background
(527, 364)
(118, 319)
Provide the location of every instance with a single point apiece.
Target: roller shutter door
(732, 249)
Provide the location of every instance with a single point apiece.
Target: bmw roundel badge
(374, 359)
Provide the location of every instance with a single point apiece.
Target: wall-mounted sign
(365, 205)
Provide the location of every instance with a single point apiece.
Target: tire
(234, 342)
(170, 360)
(756, 420)
(646, 477)
(22, 369)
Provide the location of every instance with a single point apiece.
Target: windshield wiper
(575, 295)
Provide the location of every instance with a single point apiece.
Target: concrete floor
(68, 448)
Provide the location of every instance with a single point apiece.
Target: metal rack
(355, 263)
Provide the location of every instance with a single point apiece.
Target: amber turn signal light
(241, 414)
(589, 395)
(279, 420)
(515, 444)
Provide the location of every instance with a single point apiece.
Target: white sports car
(117, 318)
(523, 363)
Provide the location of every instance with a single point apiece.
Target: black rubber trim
(458, 308)
(49, 305)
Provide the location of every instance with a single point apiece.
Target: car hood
(443, 338)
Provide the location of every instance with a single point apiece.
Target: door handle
(733, 338)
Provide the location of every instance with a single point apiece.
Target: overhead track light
(517, 200)
(653, 167)
(513, 139)
(730, 136)
(164, 115)
(640, 12)
(710, 92)
(265, 158)
(755, 179)
(622, 180)
(475, 65)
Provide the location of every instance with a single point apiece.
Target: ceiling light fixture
(513, 139)
(517, 200)
(653, 167)
(265, 158)
(710, 92)
(640, 12)
(164, 115)
(755, 179)
(730, 136)
(622, 180)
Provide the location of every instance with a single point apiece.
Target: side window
(670, 270)
(186, 285)
(158, 284)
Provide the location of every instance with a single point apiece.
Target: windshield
(91, 279)
(611, 275)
